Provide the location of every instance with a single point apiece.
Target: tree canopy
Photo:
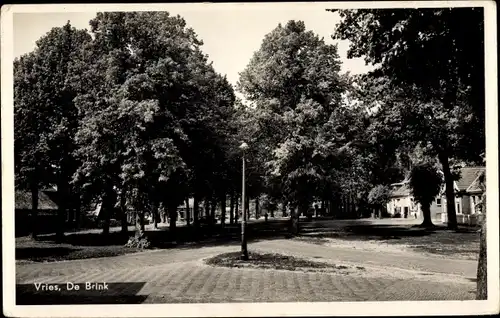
(428, 77)
(294, 85)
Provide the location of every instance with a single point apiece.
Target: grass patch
(28, 250)
(462, 243)
(271, 261)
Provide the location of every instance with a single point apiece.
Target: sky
(230, 36)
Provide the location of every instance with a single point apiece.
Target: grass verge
(272, 261)
(28, 250)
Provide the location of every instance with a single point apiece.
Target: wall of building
(398, 205)
(473, 201)
(466, 204)
(436, 209)
(460, 203)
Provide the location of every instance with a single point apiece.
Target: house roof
(469, 181)
(476, 185)
(23, 201)
(468, 176)
(400, 189)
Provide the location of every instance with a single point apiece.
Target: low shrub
(140, 240)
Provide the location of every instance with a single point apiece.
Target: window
(438, 201)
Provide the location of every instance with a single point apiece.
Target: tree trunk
(123, 209)
(231, 209)
(106, 209)
(164, 215)
(283, 209)
(188, 213)
(104, 216)
(294, 220)
(347, 206)
(78, 211)
(236, 209)
(34, 210)
(72, 207)
(223, 210)
(482, 283)
(172, 211)
(62, 194)
(153, 216)
(154, 213)
(139, 222)
(355, 207)
(426, 211)
(195, 211)
(207, 209)
(257, 208)
(213, 207)
(450, 191)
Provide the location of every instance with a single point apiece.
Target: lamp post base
(244, 250)
(244, 255)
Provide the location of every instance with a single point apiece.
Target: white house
(468, 193)
(402, 204)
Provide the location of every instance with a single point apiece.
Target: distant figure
(316, 209)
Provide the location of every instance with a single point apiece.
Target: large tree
(378, 198)
(46, 118)
(436, 58)
(294, 86)
(154, 112)
(425, 182)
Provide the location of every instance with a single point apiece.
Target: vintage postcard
(250, 159)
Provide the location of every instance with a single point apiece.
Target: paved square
(180, 276)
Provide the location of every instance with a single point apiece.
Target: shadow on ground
(436, 240)
(23, 253)
(192, 236)
(117, 293)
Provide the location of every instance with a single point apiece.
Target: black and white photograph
(252, 159)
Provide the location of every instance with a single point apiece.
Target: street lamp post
(244, 250)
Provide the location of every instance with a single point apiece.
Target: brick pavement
(179, 275)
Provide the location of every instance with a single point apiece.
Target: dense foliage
(131, 114)
(425, 182)
(430, 68)
(143, 114)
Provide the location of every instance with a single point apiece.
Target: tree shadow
(90, 239)
(192, 236)
(204, 236)
(317, 229)
(116, 293)
(363, 231)
(25, 253)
